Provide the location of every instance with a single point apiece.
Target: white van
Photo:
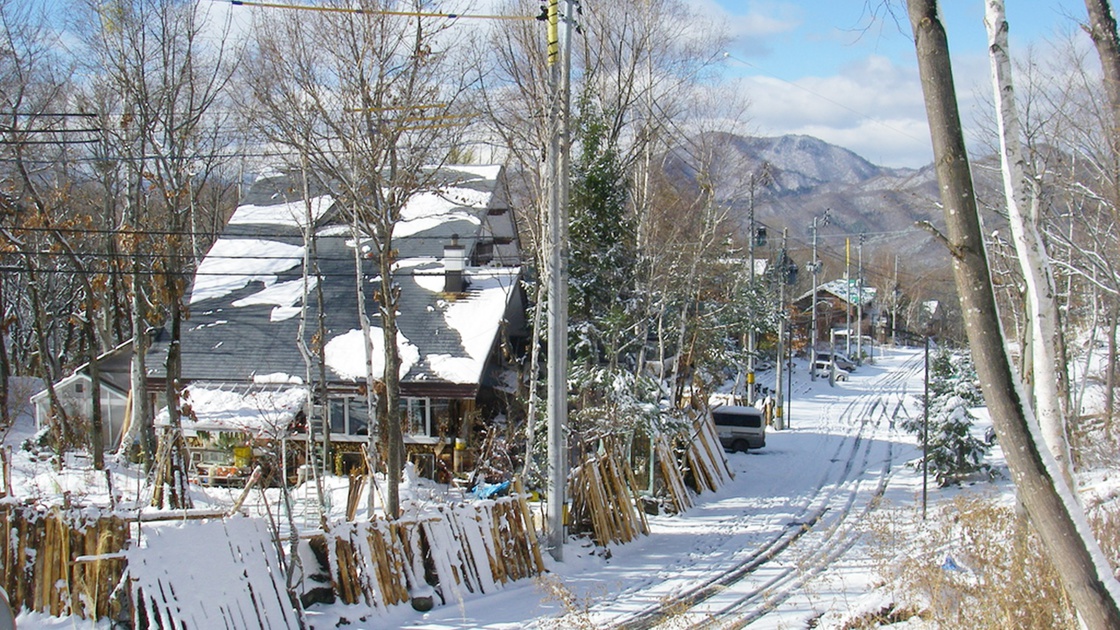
(739, 427)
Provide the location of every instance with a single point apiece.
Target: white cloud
(873, 106)
(753, 32)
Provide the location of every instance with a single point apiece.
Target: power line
(215, 274)
(452, 16)
(189, 233)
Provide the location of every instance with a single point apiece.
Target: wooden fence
(87, 563)
(473, 547)
(63, 561)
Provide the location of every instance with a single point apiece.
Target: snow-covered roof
(259, 411)
(249, 291)
(847, 290)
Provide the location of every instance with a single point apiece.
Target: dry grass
(1105, 521)
(577, 613)
(1004, 578)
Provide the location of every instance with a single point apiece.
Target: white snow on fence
(215, 574)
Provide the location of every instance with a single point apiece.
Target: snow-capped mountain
(797, 178)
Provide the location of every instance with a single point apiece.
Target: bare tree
(1048, 375)
(1048, 501)
(371, 100)
(169, 73)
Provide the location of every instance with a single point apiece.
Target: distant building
(838, 301)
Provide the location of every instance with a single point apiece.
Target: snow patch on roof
(280, 294)
(425, 211)
(346, 355)
(233, 263)
(292, 214)
(837, 288)
(280, 313)
(263, 412)
(487, 171)
(277, 377)
(476, 318)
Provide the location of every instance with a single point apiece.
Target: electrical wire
(359, 11)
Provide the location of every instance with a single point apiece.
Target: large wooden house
(252, 352)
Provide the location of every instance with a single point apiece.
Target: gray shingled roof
(230, 339)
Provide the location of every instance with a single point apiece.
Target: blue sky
(844, 70)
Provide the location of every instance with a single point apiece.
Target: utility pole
(848, 296)
(859, 303)
(750, 264)
(925, 434)
(814, 268)
(559, 62)
(894, 305)
(781, 356)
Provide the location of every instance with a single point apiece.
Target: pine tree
(953, 451)
(603, 247)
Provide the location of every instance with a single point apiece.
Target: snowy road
(760, 552)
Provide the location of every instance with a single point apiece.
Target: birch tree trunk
(1048, 372)
(1052, 510)
(1102, 30)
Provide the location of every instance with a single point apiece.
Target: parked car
(739, 427)
(844, 363)
(823, 369)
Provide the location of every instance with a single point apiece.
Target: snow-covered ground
(785, 545)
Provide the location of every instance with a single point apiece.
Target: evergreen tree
(603, 244)
(953, 450)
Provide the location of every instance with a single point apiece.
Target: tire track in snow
(840, 533)
(825, 516)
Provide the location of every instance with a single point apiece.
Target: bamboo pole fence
(603, 497)
(62, 561)
(474, 547)
(69, 561)
(704, 455)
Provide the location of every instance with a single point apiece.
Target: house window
(349, 415)
(417, 416)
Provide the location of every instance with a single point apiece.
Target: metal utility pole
(848, 295)
(859, 304)
(760, 176)
(925, 435)
(559, 61)
(894, 305)
(789, 378)
(750, 264)
(781, 355)
(814, 268)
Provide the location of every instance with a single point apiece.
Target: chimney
(454, 261)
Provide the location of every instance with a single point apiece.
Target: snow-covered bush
(952, 374)
(953, 451)
(611, 401)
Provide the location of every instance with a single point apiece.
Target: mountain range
(792, 179)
